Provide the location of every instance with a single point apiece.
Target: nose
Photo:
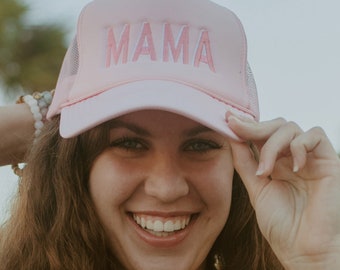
(166, 180)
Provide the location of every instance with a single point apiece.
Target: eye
(201, 146)
(129, 144)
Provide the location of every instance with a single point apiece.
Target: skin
(16, 129)
(294, 190)
(162, 166)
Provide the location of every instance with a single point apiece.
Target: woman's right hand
(294, 190)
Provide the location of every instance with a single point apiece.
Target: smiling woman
(157, 159)
(174, 182)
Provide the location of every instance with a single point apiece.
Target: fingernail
(260, 169)
(295, 166)
(227, 116)
(233, 118)
(239, 118)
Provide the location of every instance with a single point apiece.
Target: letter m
(113, 51)
(182, 44)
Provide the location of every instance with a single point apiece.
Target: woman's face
(162, 190)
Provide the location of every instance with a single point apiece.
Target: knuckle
(317, 131)
(281, 120)
(296, 144)
(293, 125)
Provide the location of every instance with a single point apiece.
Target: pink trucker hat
(183, 56)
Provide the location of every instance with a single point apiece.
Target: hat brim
(143, 95)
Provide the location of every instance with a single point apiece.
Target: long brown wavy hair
(53, 224)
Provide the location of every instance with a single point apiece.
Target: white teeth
(177, 225)
(157, 226)
(143, 222)
(161, 227)
(183, 224)
(138, 220)
(169, 226)
(149, 225)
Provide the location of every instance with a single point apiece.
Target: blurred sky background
(293, 49)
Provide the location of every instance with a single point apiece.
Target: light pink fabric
(183, 56)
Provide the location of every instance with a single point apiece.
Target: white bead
(38, 124)
(47, 97)
(37, 133)
(35, 109)
(42, 103)
(38, 103)
(37, 116)
(43, 112)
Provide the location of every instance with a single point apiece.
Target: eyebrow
(132, 127)
(191, 132)
(197, 130)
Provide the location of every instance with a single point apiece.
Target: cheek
(110, 181)
(214, 185)
(213, 181)
(215, 174)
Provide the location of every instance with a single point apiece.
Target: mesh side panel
(71, 61)
(252, 92)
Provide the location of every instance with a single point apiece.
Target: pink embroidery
(170, 48)
(182, 44)
(204, 46)
(123, 46)
(145, 45)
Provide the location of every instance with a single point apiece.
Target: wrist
(38, 104)
(17, 128)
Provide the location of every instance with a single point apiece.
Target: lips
(160, 226)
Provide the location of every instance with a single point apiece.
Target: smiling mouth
(162, 227)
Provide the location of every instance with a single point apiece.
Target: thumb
(247, 167)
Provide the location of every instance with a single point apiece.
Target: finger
(246, 166)
(272, 137)
(313, 141)
(276, 146)
(253, 131)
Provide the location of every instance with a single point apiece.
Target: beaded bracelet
(38, 104)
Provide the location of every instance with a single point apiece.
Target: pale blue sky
(293, 50)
